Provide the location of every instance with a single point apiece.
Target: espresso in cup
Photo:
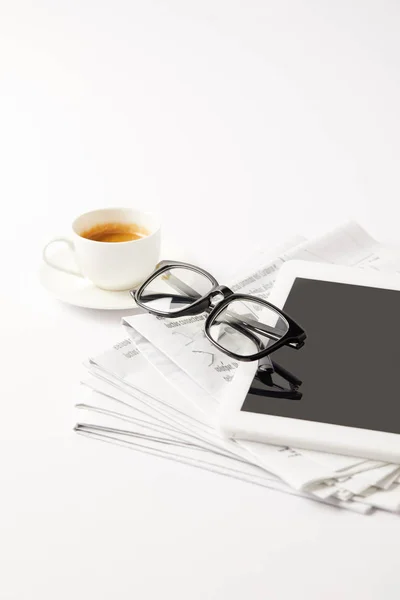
(115, 232)
(116, 248)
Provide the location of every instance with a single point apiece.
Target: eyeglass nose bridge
(219, 294)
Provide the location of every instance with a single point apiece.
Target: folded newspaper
(158, 391)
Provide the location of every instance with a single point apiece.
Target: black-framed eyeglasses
(242, 326)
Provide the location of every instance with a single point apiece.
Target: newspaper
(114, 410)
(130, 423)
(160, 388)
(358, 507)
(133, 369)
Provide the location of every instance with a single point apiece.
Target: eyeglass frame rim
(295, 334)
(164, 265)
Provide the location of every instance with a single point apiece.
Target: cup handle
(51, 262)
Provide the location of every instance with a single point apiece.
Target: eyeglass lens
(246, 327)
(175, 289)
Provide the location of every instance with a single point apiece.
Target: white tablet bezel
(312, 435)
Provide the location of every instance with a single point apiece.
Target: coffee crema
(115, 232)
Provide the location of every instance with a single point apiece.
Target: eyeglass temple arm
(263, 373)
(260, 328)
(177, 284)
(265, 364)
(290, 378)
(280, 393)
(180, 285)
(176, 299)
(265, 376)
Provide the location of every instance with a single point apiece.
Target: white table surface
(243, 122)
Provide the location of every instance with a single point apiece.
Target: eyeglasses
(244, 327)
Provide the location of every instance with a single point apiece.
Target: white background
(242, 122)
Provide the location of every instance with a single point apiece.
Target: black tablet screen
(349, 365)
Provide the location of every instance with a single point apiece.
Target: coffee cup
(115, 248)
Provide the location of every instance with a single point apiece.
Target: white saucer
(78, 291)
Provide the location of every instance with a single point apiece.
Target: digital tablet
(347, 374)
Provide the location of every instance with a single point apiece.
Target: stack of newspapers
(158, 390)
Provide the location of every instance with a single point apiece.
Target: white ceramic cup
(111, 266)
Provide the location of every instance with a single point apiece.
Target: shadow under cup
(117, 266)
